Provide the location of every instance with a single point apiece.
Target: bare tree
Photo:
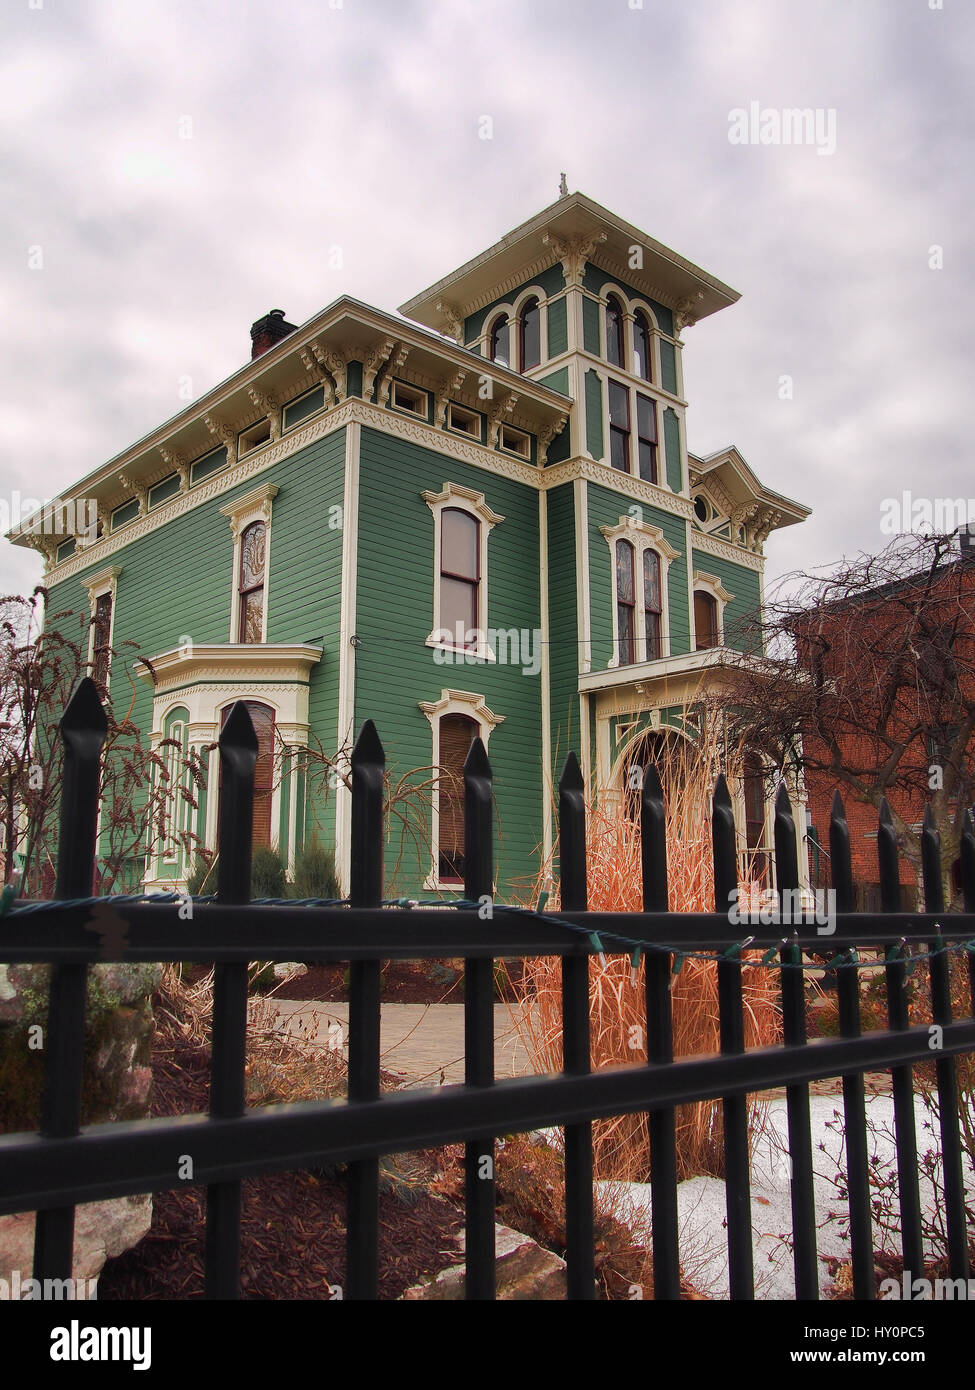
(868, 683)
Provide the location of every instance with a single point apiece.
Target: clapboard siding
(394, 616)
(563, 625)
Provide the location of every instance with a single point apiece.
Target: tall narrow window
(614, 331)
(646, 426)
(253, 550)
(500, 348)
(262, 717)
(642, 359)
(705, 620)
(619, 426)
(101, 637)
(459, 574)
(457, 733)
(531, 335)
(652, 603)
(625, 601)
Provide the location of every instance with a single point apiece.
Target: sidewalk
(423, 1043)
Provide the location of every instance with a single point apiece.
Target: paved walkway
(423, 1043)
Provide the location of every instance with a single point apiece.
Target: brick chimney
(268, 331)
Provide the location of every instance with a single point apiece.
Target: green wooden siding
(394, 667)
(551, 281)
(740, 613)
(675, 471)
(668, 367)
(590, 326)
(594, 414)
(563, 625)
(605, 509)
(558, 381)
(558, 328)
(176, 581)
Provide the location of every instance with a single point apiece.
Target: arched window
(614, 331)
(642, 353)
(652, 604)
(531, 335)
(460, 575)
(101, 639)
(625, 602)
(262, 717)
(457, 733)
(705, 619)
(253, 550)
(500, 348)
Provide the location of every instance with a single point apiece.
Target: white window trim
(104, 582)
(396, 382)
(244, 450)
(513, 310)
(468, 410)
(643, 536)
(464, 499)
(630, 303)
(170, 851)
(710, 584)
(254, 506)
(472, 706)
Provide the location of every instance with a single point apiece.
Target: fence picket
(238, 760)
(741, 1273)
(854, 1105)
(479, 1181)
(660, 1044)
(902, 1077)
(365, 890)
(82, 731)
(576, 1056)
(940, 982)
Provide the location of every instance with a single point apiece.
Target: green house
(478, 518)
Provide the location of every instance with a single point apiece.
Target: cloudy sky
(171, 169)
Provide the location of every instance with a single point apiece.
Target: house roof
(729, 468)
(665, 276)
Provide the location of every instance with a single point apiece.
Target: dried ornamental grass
(621, 1147)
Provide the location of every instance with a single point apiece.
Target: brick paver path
(420, 1042)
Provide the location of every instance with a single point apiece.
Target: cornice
(615, 481)
(497, 291)
(232, 662)
(713, 545)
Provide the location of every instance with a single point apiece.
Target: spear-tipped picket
(741, 1274)
(238, 748)
(902, 1077)
(660, 1044)
(479, 1184)
(576, 1053)
(83, 729)
(854, 1107)
(365, 890)
(945, 1067)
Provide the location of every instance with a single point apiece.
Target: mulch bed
(293, 1224)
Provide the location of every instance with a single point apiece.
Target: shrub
(315, 875)
(202, 879)
(267, 874)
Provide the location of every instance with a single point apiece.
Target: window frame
(711, 585)
(454, 496)
(523, 365)
(471, 705)
(619, 336)
(254, 506)
(618, 430)
(101, 585)
(643, 536)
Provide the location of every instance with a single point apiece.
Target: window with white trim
(250, 522)
(710, 600)
(456, 719)
(462, 521)
(101, 598)
(173, 751)
(640, 556)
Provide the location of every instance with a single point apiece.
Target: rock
(102, 1230)
(523, 1270)
(289, 969)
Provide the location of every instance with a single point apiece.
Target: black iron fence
(64, 1165)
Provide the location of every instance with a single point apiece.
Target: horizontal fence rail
(63, 1165)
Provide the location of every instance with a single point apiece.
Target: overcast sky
(172, 169)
